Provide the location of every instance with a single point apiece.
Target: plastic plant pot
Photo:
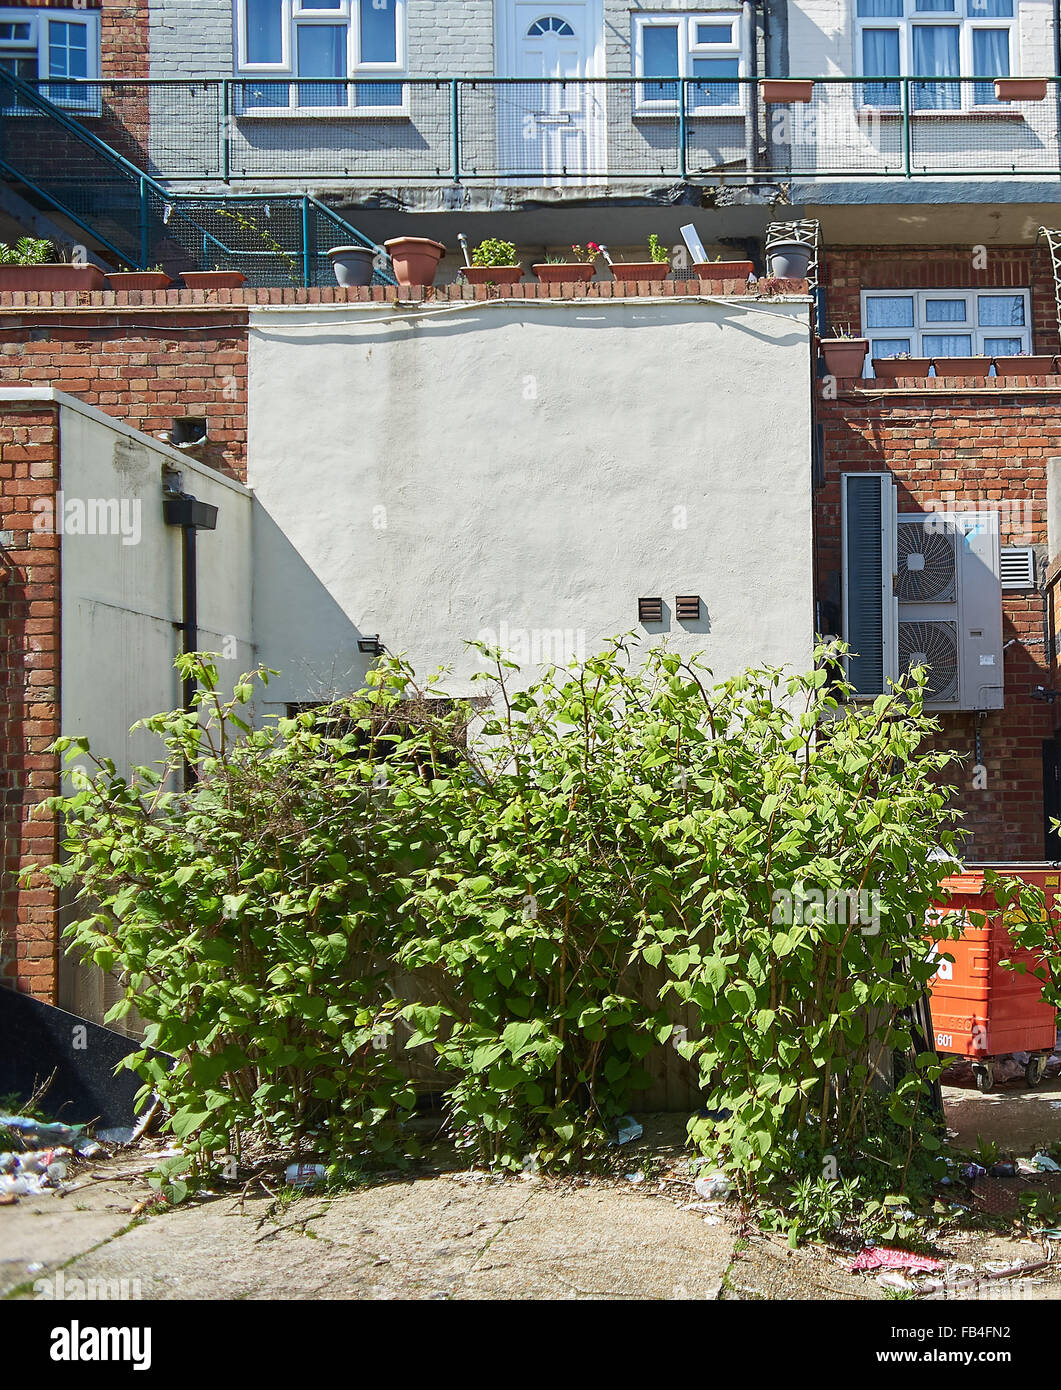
(214, 279)
(1026, 366)
(1020, 88)
(139, 280)
(901, 368)
(564, 272)
(493, 274)
(52, 276)
(774, 89)
(844, 357)
(352, 265)
(723, 270)
(654, 272)
(789, 260)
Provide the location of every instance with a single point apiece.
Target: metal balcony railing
(53, 156)
(557, 131)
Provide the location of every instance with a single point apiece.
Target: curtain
(945, 311)
(947, 344)
(936, 55)
(1000, 310)
(876, 9)
(889, 311)
(880, 58)
(990, 59)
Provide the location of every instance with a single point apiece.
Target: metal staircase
(54, 163)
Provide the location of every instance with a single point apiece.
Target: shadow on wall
(302, 631)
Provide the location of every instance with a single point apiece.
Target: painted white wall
(120, 601)
(436, 475)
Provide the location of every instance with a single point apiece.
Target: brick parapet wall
(29, 695)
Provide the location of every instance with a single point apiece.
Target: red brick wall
(141, 373)
(982, 450)
(850, 269)
(29, 696)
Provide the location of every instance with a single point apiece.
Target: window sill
(698, 113)
(895, 113)
(325, 113)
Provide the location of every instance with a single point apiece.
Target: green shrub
(27, 250)
(397, 870)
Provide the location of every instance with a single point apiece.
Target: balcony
(560, 133)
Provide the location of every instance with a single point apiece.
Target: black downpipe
(191, 515)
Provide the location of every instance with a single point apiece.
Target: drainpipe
(181, 509)
(751, 121)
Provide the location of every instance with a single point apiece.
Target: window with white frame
(296, 49)
(947, 323)
(705, 47)
(56, 51)
(934, 39)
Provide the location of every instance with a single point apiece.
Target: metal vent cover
(649, 610)
(928, 561)
(1017, 567)
(934, 645)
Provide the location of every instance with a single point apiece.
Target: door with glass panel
(551, 122)
(946, 323)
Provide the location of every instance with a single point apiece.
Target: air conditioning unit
(921, 590)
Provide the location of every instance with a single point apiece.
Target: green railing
(450, 128)
(62, 165)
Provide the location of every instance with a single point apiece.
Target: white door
(550, 131)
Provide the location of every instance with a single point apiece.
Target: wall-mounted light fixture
(649, 610)
(371, 646)
(687, 608)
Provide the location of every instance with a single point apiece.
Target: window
(55, 51)
(704, 47)
(946, 323)
(302, 51)
(933, 38)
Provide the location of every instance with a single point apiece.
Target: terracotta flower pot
(1020, 88)
(774, 89)
(900, 368)
(632, 271)
(493, 274)
(139, 280)
(214, 279)
(415, 259)
(844, 357)
(962, 366)
(57, 275)
(564, 272)
(1026, 366)
(352, 265)
(723, 270)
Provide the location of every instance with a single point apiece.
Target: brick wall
(850, 269)
(143, 373)
(966, 451)
(29, 692)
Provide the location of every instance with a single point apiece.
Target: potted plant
(655, 269)
(775, 89)
(718, 269)
(153, 279)
(844, 354)
(901, 367)
(493, 263)
(415, 259)
(216, 279)
(558, 270)
(1022, 365)
(1020, 88)
(789, 260)
(962, 366)
(352, 265)
(27, 266)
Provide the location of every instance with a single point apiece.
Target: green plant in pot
(569, 269)
(493, 263)
(130, 278)
(36, 264)
(654, 270)
(844, 353)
